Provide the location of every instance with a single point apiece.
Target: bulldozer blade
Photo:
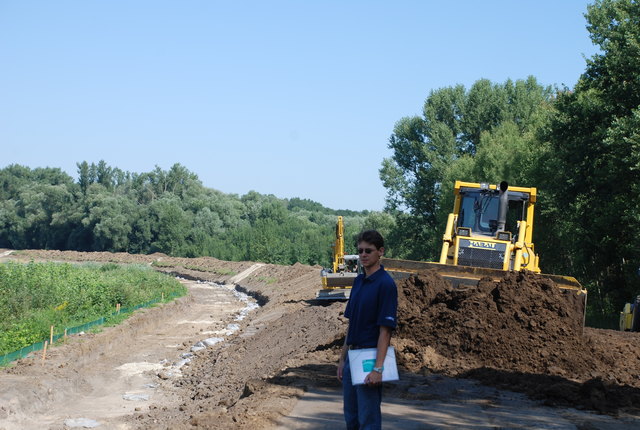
(463, 275)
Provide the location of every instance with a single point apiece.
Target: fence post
(44, 351)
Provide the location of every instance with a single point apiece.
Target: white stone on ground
(86, 423)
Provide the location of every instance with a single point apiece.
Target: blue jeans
(361, 403)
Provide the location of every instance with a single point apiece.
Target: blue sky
(291, 98)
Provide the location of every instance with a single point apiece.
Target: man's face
(369, 254)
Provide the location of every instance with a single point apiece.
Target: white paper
(362, 362)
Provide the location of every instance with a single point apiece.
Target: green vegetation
(579, 147)
(35, 296)
(197, 268)
(487, 133)
(267, 280)
(162, 264)
(171, 212)
(226, 272)
(206, 269)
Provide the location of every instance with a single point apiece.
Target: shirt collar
(375, 274)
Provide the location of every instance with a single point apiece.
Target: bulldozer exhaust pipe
(503, 205)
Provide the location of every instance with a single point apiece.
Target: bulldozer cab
(352, 264)
(491, 226)
(480, 211)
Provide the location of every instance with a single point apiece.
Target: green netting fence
(24, 352)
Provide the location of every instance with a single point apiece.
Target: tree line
(107, 209)
(580, 147)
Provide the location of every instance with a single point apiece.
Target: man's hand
(373, 379)
(343, 359)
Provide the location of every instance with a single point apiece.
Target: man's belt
(360, 347)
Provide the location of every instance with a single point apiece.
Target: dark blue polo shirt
(373, 302)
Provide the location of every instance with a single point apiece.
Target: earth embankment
(521, 332)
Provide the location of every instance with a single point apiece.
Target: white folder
(362, 362)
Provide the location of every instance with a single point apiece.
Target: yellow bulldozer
(489, 232)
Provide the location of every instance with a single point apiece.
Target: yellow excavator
(337, 281)
(490, 231)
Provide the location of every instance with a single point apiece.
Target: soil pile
(522, 332)
(523, 322)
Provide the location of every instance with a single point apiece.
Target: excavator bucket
(336, 286)
(333, 294)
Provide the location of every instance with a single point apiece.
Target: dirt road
(108, 376)
(276, 371)
(439, 402)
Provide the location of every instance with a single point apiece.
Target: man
(371, 311)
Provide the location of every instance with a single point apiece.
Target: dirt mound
(521, 332)
(227, 387)
(77, 256)
(524, 322)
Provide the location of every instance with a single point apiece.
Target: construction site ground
(507, 354)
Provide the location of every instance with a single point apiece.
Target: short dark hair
(372, 237)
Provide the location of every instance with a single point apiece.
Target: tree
(104, 175)
(108, 209)
(384, 223)
(447, 143)
(179, 181)
(170, 224)
(110, 221)
(39, 206)
(84, 180)
(595, 140)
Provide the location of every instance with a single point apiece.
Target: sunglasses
(365, 250)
